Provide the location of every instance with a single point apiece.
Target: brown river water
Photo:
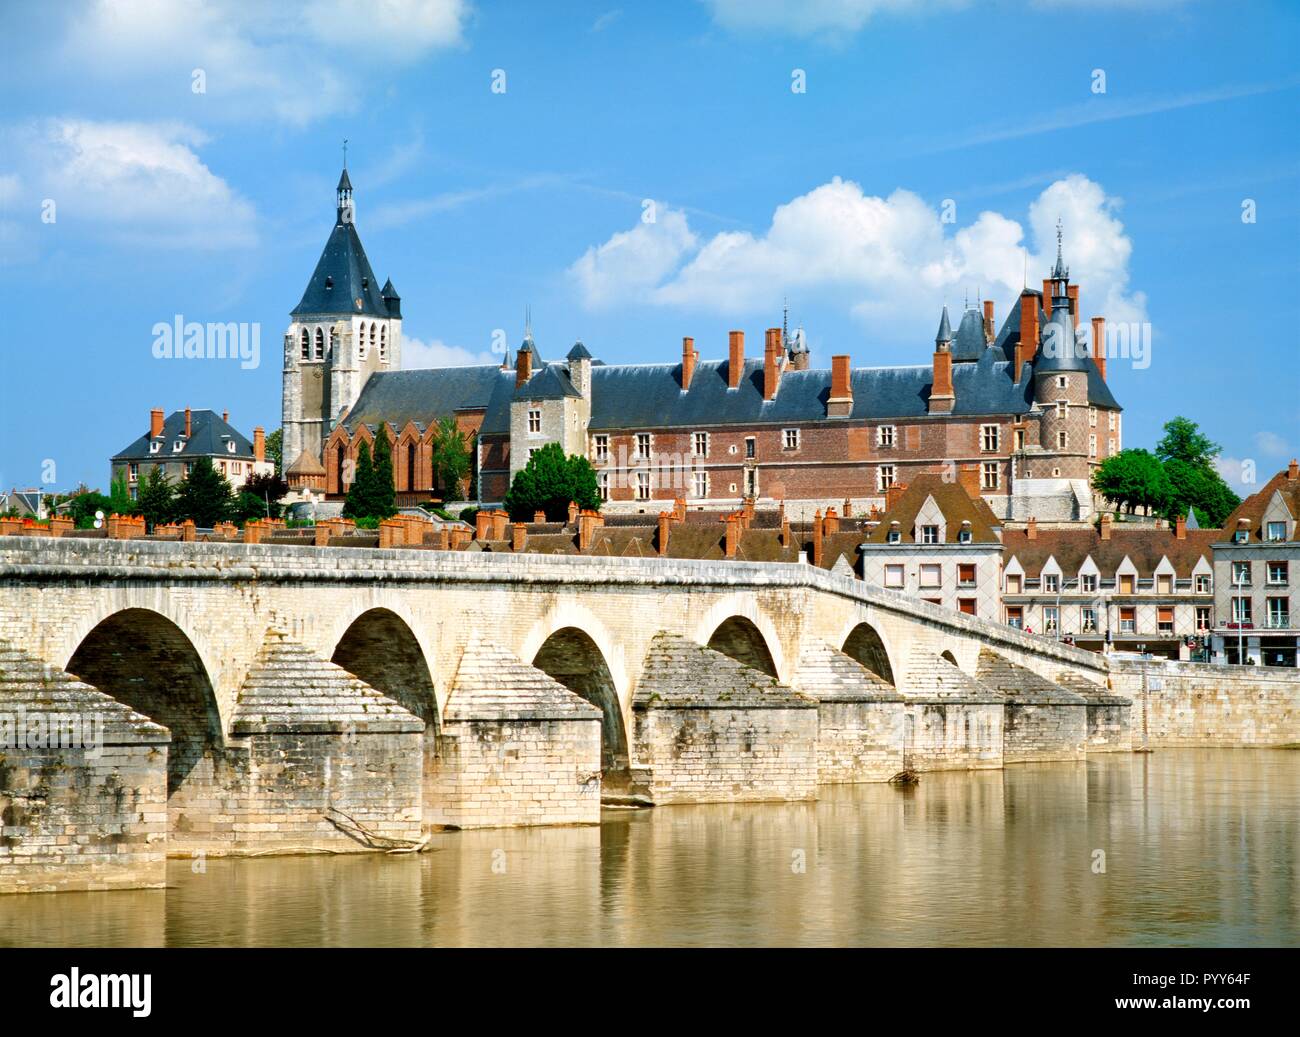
(1198, 847)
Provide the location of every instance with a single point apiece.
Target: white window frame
(700, 485)
(930, 576)
(602, 485)
(929, 534)
(699, 440)
(534, 421)
(644, 446)
(990, 475)
(1278, 528)
(1204, 583)
(886, 435)
(895, 577)
(1088, 583)
(885, 476)
(600, 446)
(990, 438)
(790, 439)
(644, 489)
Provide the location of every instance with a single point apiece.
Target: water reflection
(1200, 847)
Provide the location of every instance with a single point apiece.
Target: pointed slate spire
(1191, 518)
(345, 182)
(1061, 271)
(945, 331)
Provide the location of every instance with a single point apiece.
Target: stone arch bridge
(410, 688)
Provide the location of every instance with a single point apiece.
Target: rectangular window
(1276, 531)
(134, 470)
(1020, 439)
(1241, 574)
(931, 576)
(894, 537)
(1061, 440)
(534, 421)
(1202, 618)
(1062, 381)
(1088, 583)
(1277, 571)
(884, 476)
(790, 439)
(700, 444)
(1164, 584)
(1088, 620)
(1279, 616)
(1051, 618)
(602, 482)
(1110, 446)
(1126, 583)
(894, 576)
(989, 475)
(966, 605)
(1016, 616)
(1110, 420)
(966, 574)
(1165, 619)
(1051, 582)
(1092, 417)
(1204, 584)
(885, 435)
(1092, 445)
(1013, 583)
(602, 448)
(700, 484)
(751, 447)
(643, 446)
(1127, 619)
(1241, 611)
(929, 534)
(642, 485)
(988, 437)
(1062, 409)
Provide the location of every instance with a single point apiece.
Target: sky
(641, 173)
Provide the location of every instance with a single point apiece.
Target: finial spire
(345, 153)
(1061, 272)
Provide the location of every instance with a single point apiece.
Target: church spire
(344, 191)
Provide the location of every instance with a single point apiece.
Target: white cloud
(139, 181)
(1272, 444)
(418, 355)
(884, 259)
(292, 61)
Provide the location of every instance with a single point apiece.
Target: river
(1180, 847)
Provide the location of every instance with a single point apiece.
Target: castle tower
(345, 329)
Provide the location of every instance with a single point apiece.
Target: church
(1019, 414)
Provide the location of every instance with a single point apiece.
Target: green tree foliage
(259, 498)
(157, 501)
(205, 496)
(549, 482)
(451, 460)
(1184, 441)
(1189, 460)
(83, 506)
(357, 504)
(120, 497)
(384, 492)
(1133, 479)
(275, 450)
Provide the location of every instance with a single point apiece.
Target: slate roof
(550, 383)
(208, 437)
(1144, 547)
(955, 503)
(969, 344)
(343, 283)
(1253, 507)
(425, 396)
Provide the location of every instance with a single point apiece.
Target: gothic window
(372, 341)
(410, 466)
(334, 340)
(362, 350)
(306, 344)
(383, 345)
(320, 344)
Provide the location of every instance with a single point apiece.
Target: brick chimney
(968, 478)
(893, 494)
(733, 533)
(831, 523)
(518, 536)
(1073, 292)
(1028, 344)
(225, 416)
(786, 538)
(771, 363)
(840, 403)
(1047, 295)
(259, 444)
(499, 519)
(989, 333)
(735, 358)
(523, 366)
(1099, 345)
(1292, 471)
(1031, 528)
(848, 508)
(1105, 527)
(817, 538)
(689, 356)
(747, 512)
(679, 509)
(942, 397)
(1180, 527)
(587, 522)
(155, 423)
(665, 526)
(539, 515)
(189, 425)
(482, 524)
(573, 512)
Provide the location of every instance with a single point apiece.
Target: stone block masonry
(1043, 720)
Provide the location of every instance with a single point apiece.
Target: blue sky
(214, 204)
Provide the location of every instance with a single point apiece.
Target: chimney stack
(539, 515)
(573, 512)
(155, 423)
(968, 478)
(848, 508)
(840, 404)
(689, 356)
(1293, 471)
(1099, 345)
(786, 539)
(893, 493)
(1031, 528)
(817, 538)
(1180, 527)
(1105, 527)
(735, 359)
(771, 363)
(665, 524)
(259, 444)
(1027, 347)
(1073, 292)
(482, 524)
(523, 366)
(225, 416)
(989, 333)
(1047, 296)
(518, 536)
(188, 423)
(733, 533)
(831, 523)
(942, 397)
(499, 519)
(586, 529)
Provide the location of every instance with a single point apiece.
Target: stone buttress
(1043, 720)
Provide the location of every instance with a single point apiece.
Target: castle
(1019, 414)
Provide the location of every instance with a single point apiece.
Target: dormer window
(230, 447)
(963, 536)
(155, 446)
(1240, 537)
(895, 537)
(1276, 531)
(929, 534)
(329, 282)
(178, 446)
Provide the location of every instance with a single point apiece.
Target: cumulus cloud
(1271, 444)
(292, 61)
(879, 257)
(418, 355)
(142, 182)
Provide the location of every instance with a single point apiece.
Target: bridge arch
(146, 661)
(863, 642)
(381, 648)
(738, 628)
(946, 654)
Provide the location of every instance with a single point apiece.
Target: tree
(1189, 460)
(549, 482)
(82, 507)
(451, 460)
(383, 493)
(259, 497)
(1184, 441)
(275, 450)
(1131, 479)
(119, 497)
(357, 504)
(157, 501)
(205, 496)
